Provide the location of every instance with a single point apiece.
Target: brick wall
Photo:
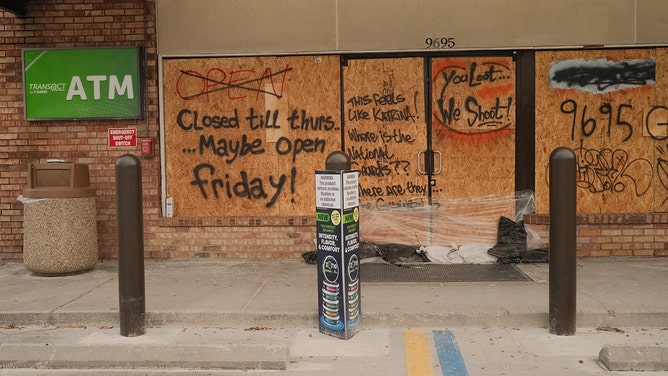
(67, 23)
(92, 23)
(606, 235)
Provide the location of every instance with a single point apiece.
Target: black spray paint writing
(606, 117)
(584, 119)
(602, 75)
(472, 115)
(478, 116)
(214, 139)
(662, 170)
(374, 107)
(210, 183)
(231, 148)
(375, 153)
(608, 170)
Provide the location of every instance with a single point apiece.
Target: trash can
(59, 221)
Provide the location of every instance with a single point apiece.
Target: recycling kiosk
(59, 221)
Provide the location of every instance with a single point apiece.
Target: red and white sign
(122, 137)
(146, 147)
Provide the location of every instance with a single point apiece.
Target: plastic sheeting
(449, 231)
(459, 221)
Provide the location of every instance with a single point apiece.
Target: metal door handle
(430, 162)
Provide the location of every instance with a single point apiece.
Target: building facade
(446, 109)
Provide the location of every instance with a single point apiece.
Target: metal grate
(376, 272)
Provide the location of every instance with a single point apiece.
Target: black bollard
(131, 288)
(563, 290)
(337, 160)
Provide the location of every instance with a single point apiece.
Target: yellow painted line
(418, 357)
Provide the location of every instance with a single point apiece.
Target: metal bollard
(337, 160)
(131, 287)
(563, 290)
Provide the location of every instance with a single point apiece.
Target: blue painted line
(449, 356)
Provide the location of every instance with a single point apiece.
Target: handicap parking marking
(419, 358)
(449, 355)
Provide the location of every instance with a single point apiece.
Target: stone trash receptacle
(59, 219)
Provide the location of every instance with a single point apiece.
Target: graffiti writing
(587, 123)
(214, 139)
(235, 84)
(602, 75)
(243, 186)
(191, 120)
(227, 148)
(363, 153)
(294, 147)
(409, 203)
(608, 170)
(608, 108)
(377, 112)
(613, 117)
(300, 120)
(656, 122)
(393, 190)
(386, 136)
(379, 139)
(662, 170)
(381, 168)
(474, 98)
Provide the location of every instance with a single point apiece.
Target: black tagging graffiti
(602, 75)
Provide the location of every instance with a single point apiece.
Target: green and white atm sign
(93, 83)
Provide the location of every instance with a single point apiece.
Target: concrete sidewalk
(629, 292)
(208, 315)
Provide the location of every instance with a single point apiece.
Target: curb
(634, 358)
(501, 318)
(142, 356)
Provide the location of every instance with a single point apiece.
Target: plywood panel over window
(243, 136)
(385, 129)
(607, 107)
(473, 126)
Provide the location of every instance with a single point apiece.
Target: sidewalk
(208, 316)
(627, 292)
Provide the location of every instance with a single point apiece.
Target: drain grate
(376, 272)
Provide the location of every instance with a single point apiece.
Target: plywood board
(604, 105)
(473, 122)
(385, 129)
(244, 136)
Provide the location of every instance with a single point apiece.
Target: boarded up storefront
(243, 136)
(608, 106)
